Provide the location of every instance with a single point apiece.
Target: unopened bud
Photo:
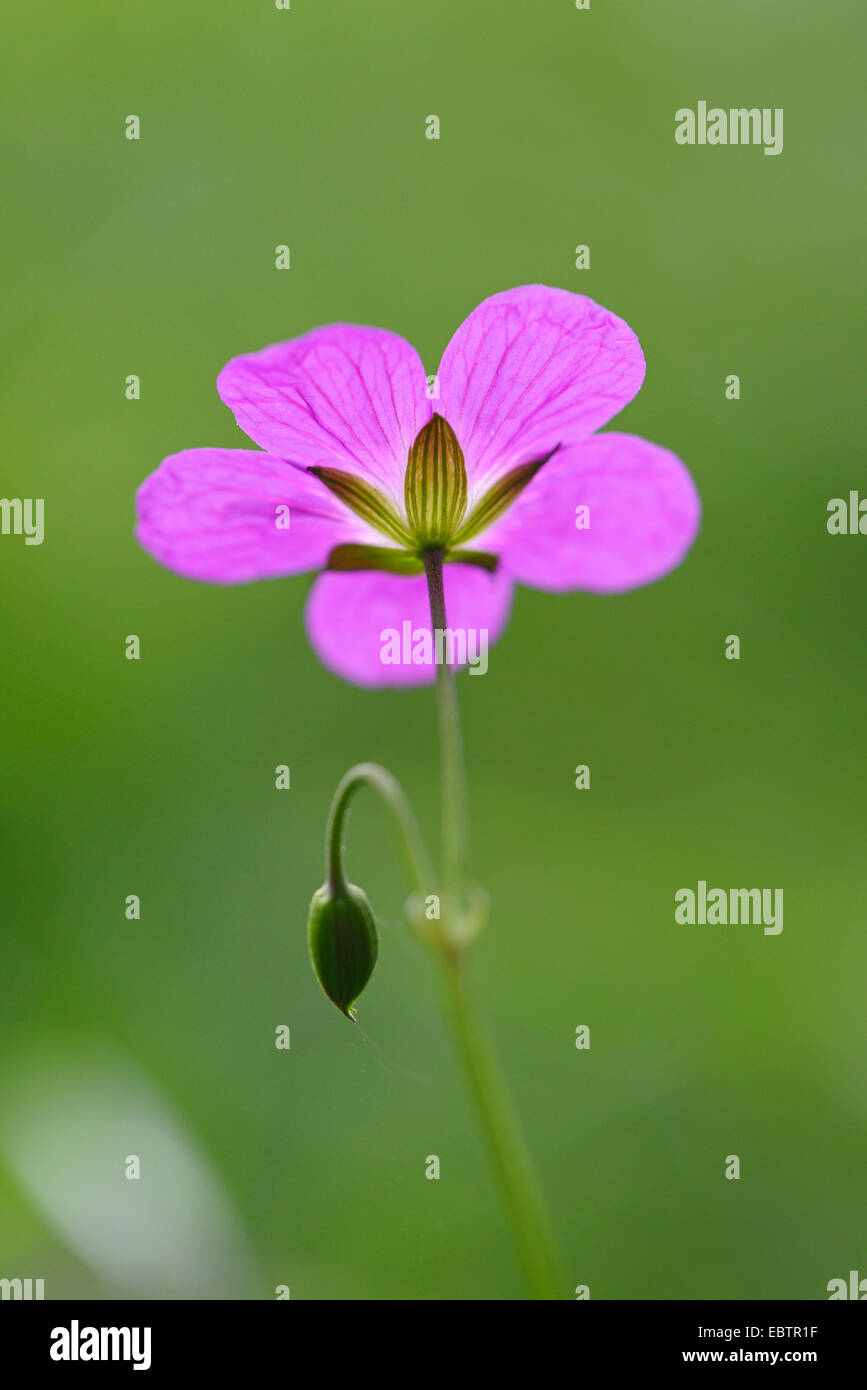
(341, 934)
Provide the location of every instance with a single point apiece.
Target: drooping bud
(435, 490)
(341, 935)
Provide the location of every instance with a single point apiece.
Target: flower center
(435, 501)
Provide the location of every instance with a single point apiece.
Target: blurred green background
(306, 1167)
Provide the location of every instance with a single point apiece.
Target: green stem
(381, 781)
(455, 824)
(524, 1202)
(489, 1090)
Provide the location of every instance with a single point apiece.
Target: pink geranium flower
(365, 465)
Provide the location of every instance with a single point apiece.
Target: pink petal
(212, 514)
(347, 615)
(532, 368)
(643, 512)
(344, 396)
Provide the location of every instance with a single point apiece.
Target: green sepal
(435, 486)
(499, 497)
(381, 557)
(341, 936)
(365, 500)
(374, 557)
(482, 558)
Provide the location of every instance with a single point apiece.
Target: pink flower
(510, 482)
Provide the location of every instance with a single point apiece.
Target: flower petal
(532, 368)
(643, 515)
(342, 396)
(212, 514)
(348, 617)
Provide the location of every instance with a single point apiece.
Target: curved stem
(381, 781)
(489, 1090)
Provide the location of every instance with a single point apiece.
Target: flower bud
(341, 934)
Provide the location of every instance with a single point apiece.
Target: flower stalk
(489, 1090)
(524, 1202)
(455, 827)
(343, 950)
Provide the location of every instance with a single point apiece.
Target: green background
(306, 1167)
